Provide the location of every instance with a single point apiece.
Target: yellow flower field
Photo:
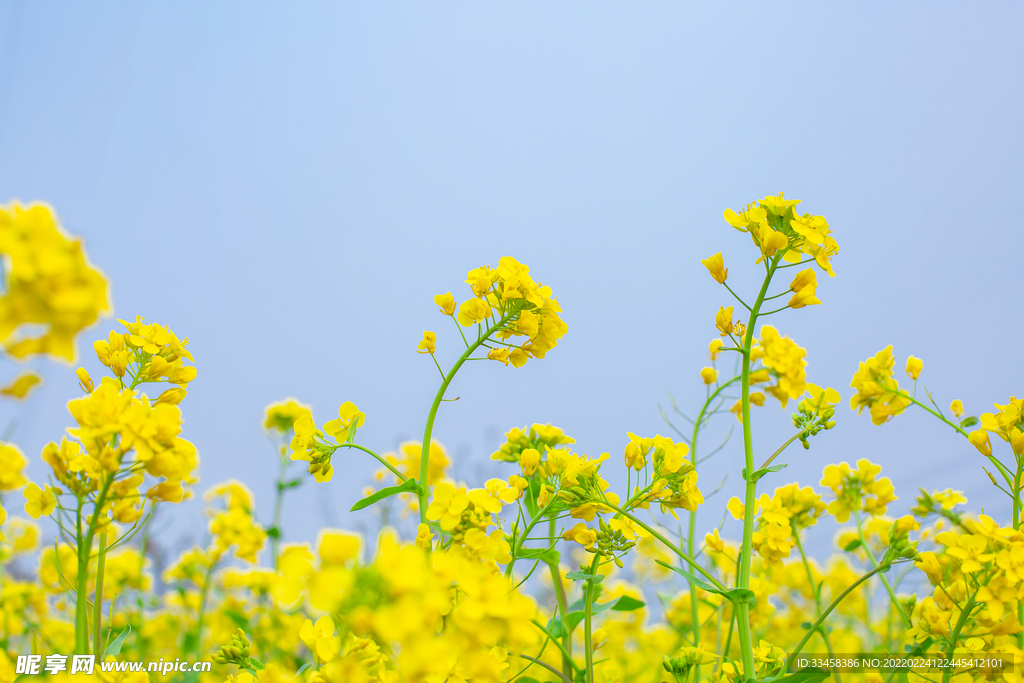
(521, 578)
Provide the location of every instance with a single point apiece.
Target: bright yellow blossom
(914, 367)
(446, 302)
(426, 344)
(39, 501)
(716, 267)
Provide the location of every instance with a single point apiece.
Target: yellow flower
(281, 416)
(446, 302)
(803, 288)
(956, 407)
(529, 460)
(50, 284)
(12, 462)
(336, 547)
(784, 360)
(979, 439)
(473, 311)
(709, 375)
(39, 502)
(500, 354)
(713, 542)
(320, 638)
(426, 344)
(22, 385)
(447, 505)
(877, 388)
(630, 530)
(914, 367)
(714, 348)
(349, 418)
(716, 267)
(581, 534)
(723, 320)
(84, 380)
(736, 508)
(423, 537)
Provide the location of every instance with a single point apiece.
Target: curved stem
(548, 667)
(424, 495)
(817, 601)
(782, 448)
(951, 650)
(835, 603)
(380, 459)
(694, 607)
(689, 560)
(522, 538)
(885, 582)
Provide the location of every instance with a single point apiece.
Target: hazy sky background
(289, 184)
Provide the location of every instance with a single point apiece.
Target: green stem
(783, 447)
(84, 553)
(817, 600)
(522, 538)
(97, 602)
(588, 608)
(380, 459)
(81, 617)
(874, 563)
(750, 494)
(204, 593)
(424, 495)
(821, 619)
(962, 432)
(275, 539)
(689, 560)
(563, 606)
(951, 650)
(694, 607)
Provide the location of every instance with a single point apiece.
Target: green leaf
(583, 576)
(763, 471)
(969, 421)
(114, 648)
(527, 679)
(257, 664)
(407, 486)
(853, 545)
(577, 612)
(626, 604)
(738, 596)
(545, 555)
(240, 619)
(700, 583)
(808, 675)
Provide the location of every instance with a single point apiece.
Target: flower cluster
(877, 388)
(783, 362)
(774, 226)
(49, 282)
(512, 305)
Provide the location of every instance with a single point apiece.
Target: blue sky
(288, 185)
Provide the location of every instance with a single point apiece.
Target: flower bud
(979, 439)
(85, 381)
(914, 367)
